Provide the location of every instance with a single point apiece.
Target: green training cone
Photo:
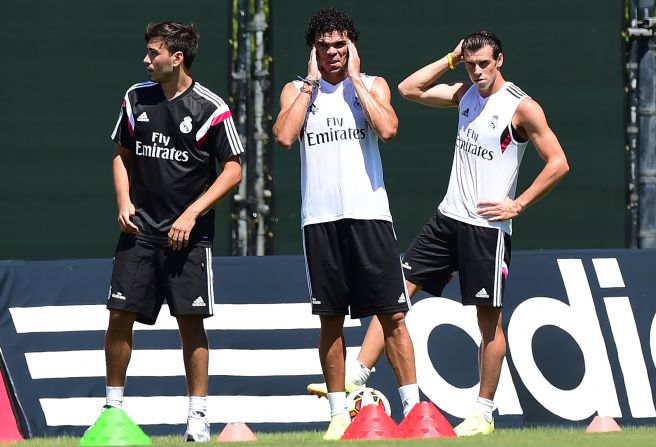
(114, 427)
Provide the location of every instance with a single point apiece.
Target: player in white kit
(338, 114)
(470, 232)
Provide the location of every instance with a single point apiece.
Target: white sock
(198, 404)
(409, 397)
(357, 373)
(114, 396)
(337, 401)
(485, 406)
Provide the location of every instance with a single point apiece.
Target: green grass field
(630, 436)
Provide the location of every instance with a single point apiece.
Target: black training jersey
(174, 145)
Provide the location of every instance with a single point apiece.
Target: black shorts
(352, 262)
(480, 255)
(144, 275)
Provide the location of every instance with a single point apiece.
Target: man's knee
(393, 322)
(191, 323)
(121, 321)
(192, 329)
(332, 326)
(489, 322)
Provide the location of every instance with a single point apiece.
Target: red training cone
(371, 423)
(236, 432)
(8, 424)
(602, 424)
(425, 421)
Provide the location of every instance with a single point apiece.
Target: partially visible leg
(398, 347)
(195, 353)
(356, 371)
(118, 350)
(492, 349)
(373, 344)
(491, 353)
(332, 353)
(401, 356)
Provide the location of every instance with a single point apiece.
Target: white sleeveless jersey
(487, 155)
(341, 170)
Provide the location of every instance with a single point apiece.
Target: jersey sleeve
(123, 133)
(219, 136)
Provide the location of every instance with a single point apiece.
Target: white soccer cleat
(338, 425)
(198, 428)
(476, 424)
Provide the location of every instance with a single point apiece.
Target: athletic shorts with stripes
(145, 275)
(354, 263)
(480, 255)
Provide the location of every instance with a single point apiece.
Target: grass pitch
(538, 437)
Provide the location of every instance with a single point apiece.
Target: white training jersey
(487, 155)
(341, 170)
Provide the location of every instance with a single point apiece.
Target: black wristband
(313, 82)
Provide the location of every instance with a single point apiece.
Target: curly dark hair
(328, 20)
(479, 39)
(177, 36)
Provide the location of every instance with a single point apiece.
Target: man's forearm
(121, 180)
(228, 179)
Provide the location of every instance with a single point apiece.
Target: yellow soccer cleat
(320, 389)
(476, 424)
(338, 425)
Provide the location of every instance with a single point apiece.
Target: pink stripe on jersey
(504, 144)
(130, 127)
(219, 118)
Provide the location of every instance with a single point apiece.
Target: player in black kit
(169, 136)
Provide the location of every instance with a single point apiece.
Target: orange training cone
(425, 421)
(371, 423)
(236, 432)
(601, 424)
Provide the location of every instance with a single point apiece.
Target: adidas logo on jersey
(482, 293)
(119, 296)
(402, 299)
(407, 266)
(143, 117)
(198, 302)
(465, 112)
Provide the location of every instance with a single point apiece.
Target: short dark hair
(479, 39)
(328, 20)
(177, 36)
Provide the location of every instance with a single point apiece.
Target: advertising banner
(580, 327)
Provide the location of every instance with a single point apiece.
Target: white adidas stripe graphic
(82, 411)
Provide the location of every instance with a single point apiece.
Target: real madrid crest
(185, 125)
(356, 103)
(494, 122)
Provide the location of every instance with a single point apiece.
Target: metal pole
(647, 126)
(631, 138)
(251, 210)
(260, 193)
(239, 78)
(641, 124)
